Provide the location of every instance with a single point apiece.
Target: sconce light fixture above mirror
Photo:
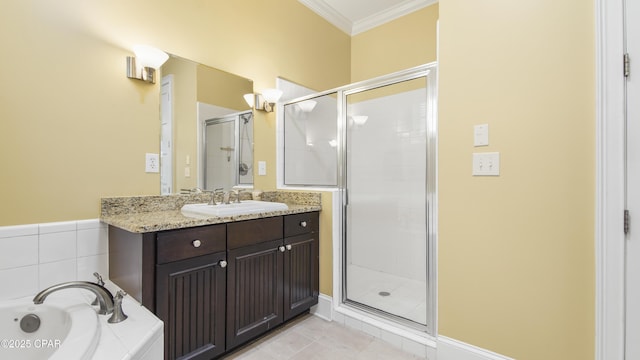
(144, 65)
(265, 101)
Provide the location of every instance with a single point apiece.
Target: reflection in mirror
(228, 162)
(191, 95)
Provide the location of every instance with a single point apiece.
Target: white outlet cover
(262, 168)
(152, 163)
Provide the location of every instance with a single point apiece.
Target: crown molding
(392, 13)
(330, 14)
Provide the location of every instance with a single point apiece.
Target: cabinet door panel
(191, 302)
(301, 275)
(254, 293)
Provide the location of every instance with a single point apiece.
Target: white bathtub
(70, 329)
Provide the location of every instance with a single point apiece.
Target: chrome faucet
(213, 196)
(105, 298)
(238, 192)
(100, 282)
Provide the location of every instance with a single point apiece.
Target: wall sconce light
(307, 105)
(265, 101)
(359, 119)
(143, 66)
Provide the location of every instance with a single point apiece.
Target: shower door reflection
(386, 216)
(228, 159)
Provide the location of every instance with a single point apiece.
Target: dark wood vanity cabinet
(219, 286)
(190, 291)
(301, 263)
(272, 274)
(254, 278)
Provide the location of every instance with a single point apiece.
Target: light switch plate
(486, 164)
(481, 135)
(262, 168)
(152, 163)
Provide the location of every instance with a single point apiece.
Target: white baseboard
(324, 307)
(451, 349)
(445, 347)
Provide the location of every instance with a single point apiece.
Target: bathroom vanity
(217, 283)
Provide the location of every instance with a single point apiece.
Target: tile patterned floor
(312, 338)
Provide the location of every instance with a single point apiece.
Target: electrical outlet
(152, 163)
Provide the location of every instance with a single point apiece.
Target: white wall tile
(353, 323)
(93, 241)
(18, 282)
(57, 272)
(54, 227)
(391, 338)
(35, 256)
(90, 224)
(18, 230)
(18, 251)
(87, 265)
(414, 348)
(370, 329)
(57, 246)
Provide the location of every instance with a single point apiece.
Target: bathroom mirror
(196, 151)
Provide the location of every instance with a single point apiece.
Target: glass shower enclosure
(384, 155)
(389, 185)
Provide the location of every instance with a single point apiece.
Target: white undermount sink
(243, 208)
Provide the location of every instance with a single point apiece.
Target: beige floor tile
(312, 338)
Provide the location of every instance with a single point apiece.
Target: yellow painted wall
(516, 252)
(397, 45)
(220, 88)
(74, 128)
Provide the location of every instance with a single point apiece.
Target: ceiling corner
(330, 14)
(389, 14)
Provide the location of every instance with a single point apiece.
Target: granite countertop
(141, 214)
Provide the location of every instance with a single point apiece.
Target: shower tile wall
(392, 172)
(35, 256)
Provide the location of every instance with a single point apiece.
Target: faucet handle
(99, 282)
(238, 192)
(118, 315)
(213, 196)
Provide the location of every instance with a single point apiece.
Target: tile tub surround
(35, 256)
(141, 214)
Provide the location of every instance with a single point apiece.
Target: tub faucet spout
(104, 296)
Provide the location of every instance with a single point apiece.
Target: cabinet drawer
(250, 232)
(300, 224)
(182, 244)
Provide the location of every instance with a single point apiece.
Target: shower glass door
(386, 249)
